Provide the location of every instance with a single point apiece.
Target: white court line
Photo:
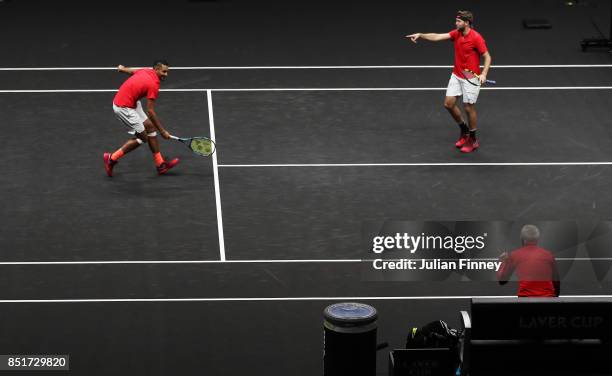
(211, 121)
(273, 261)
(497, 259)
(502, 88)
(272, 67)
(128, 262)
(282, 299)
(454, 164)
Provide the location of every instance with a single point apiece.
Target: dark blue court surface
(224, 265)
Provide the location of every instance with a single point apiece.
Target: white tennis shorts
(459, 87)
(133, 118)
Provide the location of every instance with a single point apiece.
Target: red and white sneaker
(470, 145)
(164, 167)
(462, 140)
(109, 164)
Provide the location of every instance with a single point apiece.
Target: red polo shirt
(536, 270)
(468, 50)
(143, 83)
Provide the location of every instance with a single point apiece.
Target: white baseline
(271, 261)
(279, 299)
(298, 67)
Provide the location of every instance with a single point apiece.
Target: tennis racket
(200, 145)
(474, 78)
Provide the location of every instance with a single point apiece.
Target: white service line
(211, 122)
(282, 299)
(272, 67)
(246, 90)
(417, 164)
(51, 91)
(490, 88)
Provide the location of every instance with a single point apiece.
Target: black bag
(436, 334)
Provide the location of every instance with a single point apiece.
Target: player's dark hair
(466, 16)
(160, 62)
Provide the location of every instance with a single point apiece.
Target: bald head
(530, 234)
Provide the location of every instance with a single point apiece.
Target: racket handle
(491, 82)
(174, 137)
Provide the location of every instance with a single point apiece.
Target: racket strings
(202, 146)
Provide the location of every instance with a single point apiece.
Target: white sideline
(211, 121)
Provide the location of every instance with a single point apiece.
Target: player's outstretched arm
(124, 69)
(432, 37)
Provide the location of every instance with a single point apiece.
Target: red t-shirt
(143, 83)
(536, 270)
(468, 50)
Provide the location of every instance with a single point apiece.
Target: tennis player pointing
(469, 47)
(144, 127)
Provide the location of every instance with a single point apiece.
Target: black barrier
(349, 340)
(541, 318)
(555, 335)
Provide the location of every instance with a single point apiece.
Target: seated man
(535, 267)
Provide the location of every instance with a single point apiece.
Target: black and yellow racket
(200, 145)
(474, 78)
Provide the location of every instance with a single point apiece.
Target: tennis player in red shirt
(535, 267)
(469, 47)
(143, 83)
